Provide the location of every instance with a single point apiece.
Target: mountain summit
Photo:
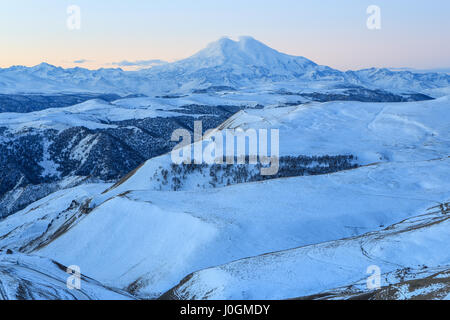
(236, 62)
(246, 52)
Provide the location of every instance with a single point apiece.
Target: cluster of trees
(217, 175)
(355, 93)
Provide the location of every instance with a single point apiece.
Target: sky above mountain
(134, 34)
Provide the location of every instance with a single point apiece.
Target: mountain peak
(246, 44)
(44, 66)
(245, 52)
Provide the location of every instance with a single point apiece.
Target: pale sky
(414, 33)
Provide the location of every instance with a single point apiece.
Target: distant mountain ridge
(246, 63)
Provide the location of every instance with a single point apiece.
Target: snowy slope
(45, 219)
(404, 250)
(397, 81)
(422, 283)
(175, 233)
(233, 222)
(97, 113)
(24, 277)
(373, 132)
(92, 114)
(133, 237)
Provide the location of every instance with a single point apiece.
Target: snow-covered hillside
(175, 233)
(24, 277)
(229, 64)
(371, 132)
(92, 114)
(413, 249)
(106, 139)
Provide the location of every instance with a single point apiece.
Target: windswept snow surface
(38, 223)
(92, 114)
(409, 247)
(100, 114)
(373, 132)
(24, 277)
(145, 241)
(175, 233)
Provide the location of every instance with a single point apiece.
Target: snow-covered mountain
(136, 238)
(87, 179)
(244, 56)
(223, 65)
(238, 64)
